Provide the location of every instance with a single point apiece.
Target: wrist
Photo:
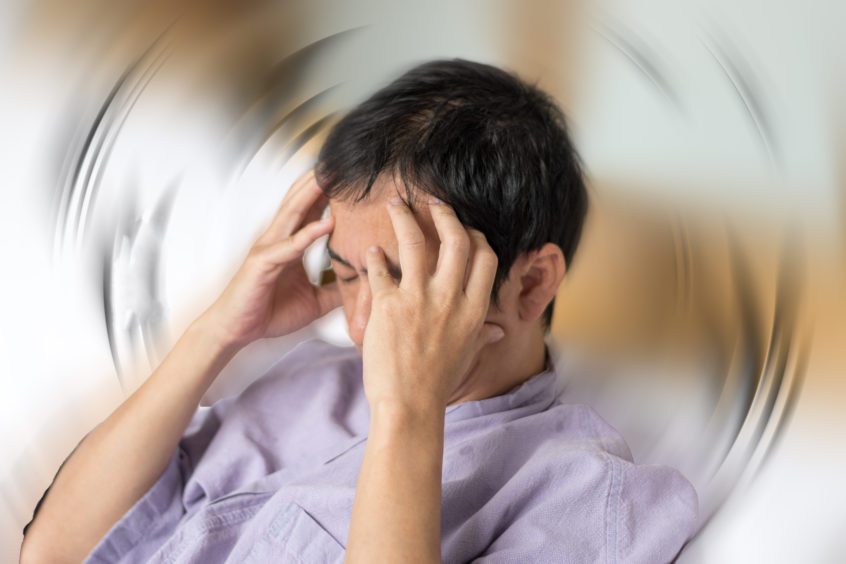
(403, 417)
(211, 338)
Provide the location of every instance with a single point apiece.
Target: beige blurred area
(703, 313)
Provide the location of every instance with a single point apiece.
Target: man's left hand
(425, 330)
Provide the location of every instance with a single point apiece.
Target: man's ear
(541, 275)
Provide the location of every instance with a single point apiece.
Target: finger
(315, 212)
(303, 202)
(455, 245)
(293, 247)
(307, 203)
(411, 244)
(490, 334)
(377, 272)
(482, 269)
(318, 206)
(328, 298)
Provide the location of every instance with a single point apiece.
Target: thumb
(490, 334)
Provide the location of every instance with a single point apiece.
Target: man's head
(493, 147)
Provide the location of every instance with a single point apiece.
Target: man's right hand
(121, 459)
(270, 295)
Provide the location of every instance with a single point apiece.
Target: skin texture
(438, 317)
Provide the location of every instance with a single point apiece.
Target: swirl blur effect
(148, 143)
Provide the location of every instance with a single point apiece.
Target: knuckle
(294, 240)
(489, 256)
(475, 318)
(414, 241)
(441, 305)
(458, 241)
(258, 259)
(479, 239)
(262, 239)
(469, 324)
(447, 295)
(297, 212)
(407, 309)
(257, 253)
(254, 251)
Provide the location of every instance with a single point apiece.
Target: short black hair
(482, 140)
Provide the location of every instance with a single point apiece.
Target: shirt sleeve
(199, 432)
(639, 514)
(656, 514)
(154, 517)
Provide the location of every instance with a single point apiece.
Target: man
(456, 203)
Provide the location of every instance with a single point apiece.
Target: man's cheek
(347, 303)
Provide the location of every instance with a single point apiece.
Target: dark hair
(493, 147)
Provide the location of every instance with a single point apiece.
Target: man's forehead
(371, 213)
(367, 216)
(361, 224)
(386, 186)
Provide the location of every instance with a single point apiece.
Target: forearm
(396, 515)
(126, 453)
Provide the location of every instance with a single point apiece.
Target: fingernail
(395, 201)
(372, 249)
(433, 201)
(497, 334)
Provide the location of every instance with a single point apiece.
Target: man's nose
(358, 322)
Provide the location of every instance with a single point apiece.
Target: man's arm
(421, 339)
(269, 296)
(397, 510)
(124, 455)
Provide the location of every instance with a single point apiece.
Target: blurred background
(145, 144)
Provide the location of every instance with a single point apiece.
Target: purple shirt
(270, 475)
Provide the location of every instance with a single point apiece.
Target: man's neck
(524, 361)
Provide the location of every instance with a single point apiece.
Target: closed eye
(354, 278)
(396, 273)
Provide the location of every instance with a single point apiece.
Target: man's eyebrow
(393, 269)
(335, 256)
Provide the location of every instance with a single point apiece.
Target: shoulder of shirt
(317, 352)
(567, 431)
(575, 425)
(576, 433)
(301, 365)
(310, 358)
(596, 437)
(573, 459)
